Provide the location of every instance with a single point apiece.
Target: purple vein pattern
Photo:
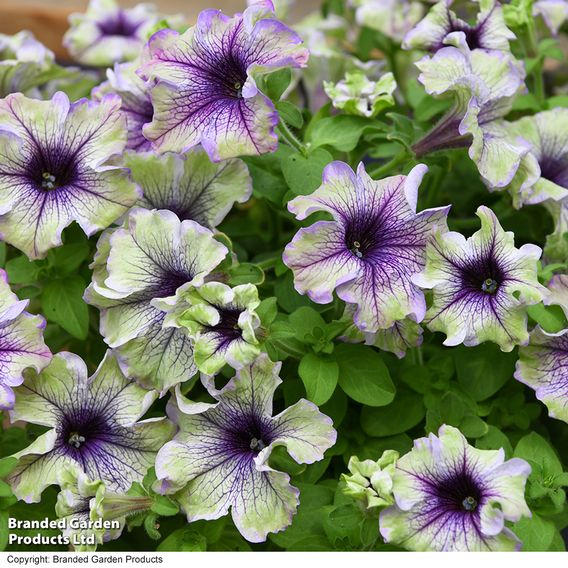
(139, 273)
(450, 496)
(370, 249)
(53, 169)
(203, 82)
(93, 425)
(21, 342)
(219, 459)
(482, 285)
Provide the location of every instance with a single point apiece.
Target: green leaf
(363, 376)
(303, 174)
(405, 412)
(344, 522)
(2, 254)
(276, 83)
(62, 301)
(151, 526)
(305, 320)
(535, 533)
(7, 465)
(186, 539)
(319, 375)
(5, 489)
(4, 530)
(164, 506)
(290, 113)
(483, 370)
(246, 273)
(473, 427)
(495, 440)
(22, 271)
(281, 461)
(550, 318)
(534, 448)
(267, 310)
(69, 257)
(342, 132)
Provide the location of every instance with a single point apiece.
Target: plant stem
(392, 164)
(288, 136)
(537, 69)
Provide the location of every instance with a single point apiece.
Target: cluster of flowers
(152, 160)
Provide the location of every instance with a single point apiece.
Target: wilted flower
(204, 88)
(221, 321)
(543, 171)
(80, 503)
(393, 18)
(553, 12)
(542, 366)
(106, 33)
(442, 27)
(371, 481)
(55, 169)
(21, 342)
(356, 94)
(483, 85)
(451, 496)
(481, 285)
(219, 459)
(397, 339)
(23, 59)
(93, 425)
(190, 185)
(370, 249)
(151, 260)
(136, 103)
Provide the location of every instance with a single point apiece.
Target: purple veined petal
(55, 169)
(203, 89)
(451, 496)
(369, 252)
(94, 425)
(218, 461)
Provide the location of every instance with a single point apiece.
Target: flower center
(119, 25)
(555, 170)
(489, 286)
(469, 503)
(49, 181)
(257, 444)
(356, 249)
(228, 325)
(75, 440)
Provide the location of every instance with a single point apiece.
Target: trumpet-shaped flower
(442, 27)
(370, 249)
(483, 85)
(93, 426)
(21, 342)
(106, 33)
(218, 461)
(451, 496)
(152, 259)
(481, 285)
(190, 185)
(203, 82)
(54, 169)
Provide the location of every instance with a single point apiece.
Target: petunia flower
(553, 12)
(79, 503)
(371, 481)
(93, 425)
(221, 321)
(357, 94)
(393, 18)
(542, 366)
(442, 27)
(543, 170)
(371, 247)
(136, 102)
(107, 34)
(483, 85)
(451, 496)
(153, 258)
(190, 185)
(204, 89)
(397, 339)
(54, 169)
(21, 342)
(481, 285)
(23, 59)
(218, 461)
